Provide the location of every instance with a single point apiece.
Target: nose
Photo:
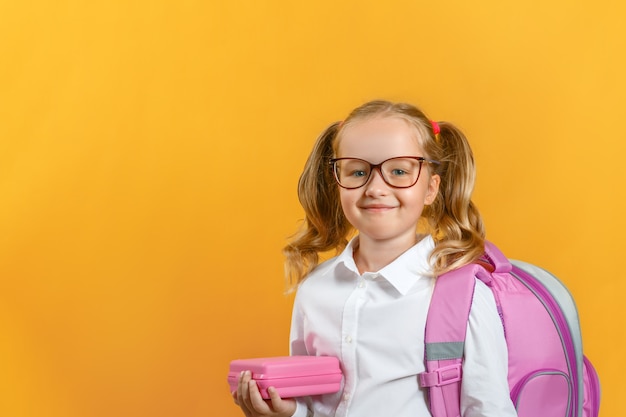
(376, 185)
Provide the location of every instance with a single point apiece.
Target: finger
(256, 400)
(277, 402)
(243, 394)
(234, 395)
(240, 387)
(280, 405)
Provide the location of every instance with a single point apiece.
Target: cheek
(347, 199)
(413, 197)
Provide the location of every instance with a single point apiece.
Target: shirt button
(348, 339)
(346, 397)
(361, 284)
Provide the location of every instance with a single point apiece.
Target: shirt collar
(403, 272)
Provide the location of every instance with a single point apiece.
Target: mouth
(377, 207)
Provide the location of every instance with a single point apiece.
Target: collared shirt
(374, 323)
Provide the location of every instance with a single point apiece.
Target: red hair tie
(436, 128)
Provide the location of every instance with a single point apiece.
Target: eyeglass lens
(397, 172)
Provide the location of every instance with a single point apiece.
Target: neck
(372, 255)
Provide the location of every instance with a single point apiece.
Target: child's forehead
(379, 136)
(381, 125)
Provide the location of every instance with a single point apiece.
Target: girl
(403, 184)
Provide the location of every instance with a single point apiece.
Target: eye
(358, 173)
(397, 172)
(354, 168)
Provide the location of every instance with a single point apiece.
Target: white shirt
(374, 323)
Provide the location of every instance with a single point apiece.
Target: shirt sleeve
(485, 388)
(296, 334)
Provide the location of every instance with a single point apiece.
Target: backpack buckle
(441, 376)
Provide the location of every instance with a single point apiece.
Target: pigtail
(324, 227)
(457, 226)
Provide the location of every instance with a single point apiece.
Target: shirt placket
(349, 345)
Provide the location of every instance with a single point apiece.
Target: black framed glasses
(398, 172)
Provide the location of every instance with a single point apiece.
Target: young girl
(379, 173)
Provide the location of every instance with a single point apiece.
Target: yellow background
(150, 150)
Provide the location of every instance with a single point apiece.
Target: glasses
(398, 172)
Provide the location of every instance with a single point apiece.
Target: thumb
(286, 407)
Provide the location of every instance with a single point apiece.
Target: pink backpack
(548, 374)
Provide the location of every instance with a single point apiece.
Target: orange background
(150, 150)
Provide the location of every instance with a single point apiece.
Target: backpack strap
(446, 325)
(499, 262)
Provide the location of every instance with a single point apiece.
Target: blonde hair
(453, 219)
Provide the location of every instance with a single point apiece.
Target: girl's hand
(248, 397)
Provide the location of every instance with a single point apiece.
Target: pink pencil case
(292, 376)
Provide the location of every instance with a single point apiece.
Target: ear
(433, 189)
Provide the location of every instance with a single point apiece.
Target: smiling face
(378, 211)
